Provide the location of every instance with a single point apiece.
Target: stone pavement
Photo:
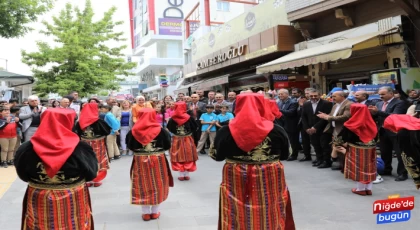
(321, 201)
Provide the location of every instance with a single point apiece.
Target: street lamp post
(6, 62)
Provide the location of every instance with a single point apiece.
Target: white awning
(151, 88)
(204, 84)
(330, 52)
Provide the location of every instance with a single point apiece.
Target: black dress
(226, 147)
(100, 128)
(190, 127)
(64, 195)
(253, 183)
(150, 164)
(409, 142)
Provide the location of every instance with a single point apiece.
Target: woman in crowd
(253, 192)
(167, 99)
(9, 125)
(56, 165)
(358, 143)
(408, 132)
(55, 104)
(141, 104)
(150, 174)
(183, 150)
(93, 131)
(170, 108)
(125, 124)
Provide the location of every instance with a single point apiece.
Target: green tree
(82, 59)
(16, 14)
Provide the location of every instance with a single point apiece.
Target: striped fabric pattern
(253, 197)
(360, 164)
(149, 179)
(99, 147)
(183, 149)
(58, 209)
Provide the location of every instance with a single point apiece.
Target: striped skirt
(99, 147)
(57, 208)
(360, 163)
(150, 179)
(183, 149)
(253, 197)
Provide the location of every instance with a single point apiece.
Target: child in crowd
(224, 117)
(162, 116)
(111, 139)
(208, 128)
(8, 136)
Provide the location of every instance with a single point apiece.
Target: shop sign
(232, 53)
(261, 52)
(148, 76)
(280, 77)
(170, 26)
(174, 5)
(250, 21)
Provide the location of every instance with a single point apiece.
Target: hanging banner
(372, 90)
(163, 80)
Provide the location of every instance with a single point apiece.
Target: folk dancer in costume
(183, 150)
(150, 173)
(357, 142)
(93, 131)
(56, 165)
(408, 132)
(253, 192)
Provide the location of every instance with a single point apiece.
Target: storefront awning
(325, 53)
(204, 84)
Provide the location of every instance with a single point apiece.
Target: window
(135, 4)
(135, 23)
(223, 6)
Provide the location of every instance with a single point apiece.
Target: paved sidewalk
(321, 201)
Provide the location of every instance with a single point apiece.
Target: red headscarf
(88, 115)
(54, 141)
(180, 115)
(361, 123)
(146, 127)
(268, 113)
(250, 128)
(275, 109)
(396, 122)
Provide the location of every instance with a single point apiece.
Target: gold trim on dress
(369, 145)
(411, 167)
(56, 186)
(260, 153)
(92, 139)
(231, 161)
(58, 178)
(148, 153)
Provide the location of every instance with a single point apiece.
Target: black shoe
(3, 164)
(314, 162)
(401, 178)
(318, 163)
(203, 151)
(10, 162)
(117, 157)
(324, 165)
(291, 158)
(335, 166)
(111, 159)
(305, 158)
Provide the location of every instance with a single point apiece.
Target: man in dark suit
(387, 139)
(195, 109)
(306, 143)
(339, 114)
(289, 120)
(315, 126)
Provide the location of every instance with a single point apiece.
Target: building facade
(348, 42)
(225, 57)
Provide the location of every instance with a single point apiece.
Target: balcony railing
(294, 5)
